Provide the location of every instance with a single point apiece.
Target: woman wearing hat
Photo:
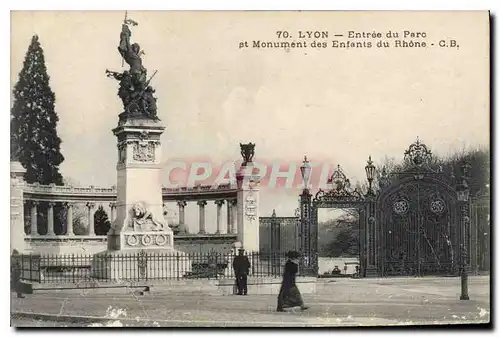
(289, 295)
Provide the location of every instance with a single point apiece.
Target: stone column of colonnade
(34, 218)
(182, 215)
(219, 204)
(231, 216)
(90, 218)
(69, 218)
(50, 219)
(202, 204)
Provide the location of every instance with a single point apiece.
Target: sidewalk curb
(349, 323)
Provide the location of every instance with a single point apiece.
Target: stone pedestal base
(163, 240)
(140, 265)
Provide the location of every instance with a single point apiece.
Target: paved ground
(339, 303)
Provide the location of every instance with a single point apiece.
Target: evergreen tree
(101, 221)
(34, 140)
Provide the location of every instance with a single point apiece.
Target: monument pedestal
(140, 243)
(140, 265)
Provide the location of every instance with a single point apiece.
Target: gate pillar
(248, 201)
(308, 245)
(370, 241)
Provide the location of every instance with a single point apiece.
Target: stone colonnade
(90, 209)
(231, 215)
(110, 209)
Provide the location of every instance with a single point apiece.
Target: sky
(337, 106)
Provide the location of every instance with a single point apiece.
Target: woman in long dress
(289, 295)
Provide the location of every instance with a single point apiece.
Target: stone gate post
(17, 207)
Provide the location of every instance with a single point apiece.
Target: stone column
(229, 218)
(69, 218)
(182, 204)
(234, 217)
(91, 212)
(50, 219)
(219, 204)
(112, 209)
(34, 218)
(202, 204)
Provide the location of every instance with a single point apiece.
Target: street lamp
(370, 174)
(305, 170)
(463, 197)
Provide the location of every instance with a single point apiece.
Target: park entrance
(340, 196)
(415, 222)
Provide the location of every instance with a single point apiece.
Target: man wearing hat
(241, 267)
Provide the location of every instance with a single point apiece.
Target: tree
(101, 221)
(479, 172)
(34, 139)
(346, 235)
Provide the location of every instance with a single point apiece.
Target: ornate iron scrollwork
(400, 207)
(341, 190)
(437, 205)
(418, 154)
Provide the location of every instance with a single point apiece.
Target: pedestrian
(241, 267)
(16, 276)
(289, 295)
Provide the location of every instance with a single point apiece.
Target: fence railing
(141, 266)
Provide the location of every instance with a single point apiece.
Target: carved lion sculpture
(145, 218)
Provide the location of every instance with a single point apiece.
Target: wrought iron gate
(419, 235)
(417, 223)
(420, 220)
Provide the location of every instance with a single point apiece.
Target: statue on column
(135, 91)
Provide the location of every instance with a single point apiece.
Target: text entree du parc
(346, 40)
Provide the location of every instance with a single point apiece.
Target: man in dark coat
(241, 267)
(289, 295)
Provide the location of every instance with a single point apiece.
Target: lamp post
(463, 197)
(370, 175)
(305, 171)
(305, 230)
(368, 251)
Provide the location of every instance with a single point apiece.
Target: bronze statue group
(135, 92)
(289, 295)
